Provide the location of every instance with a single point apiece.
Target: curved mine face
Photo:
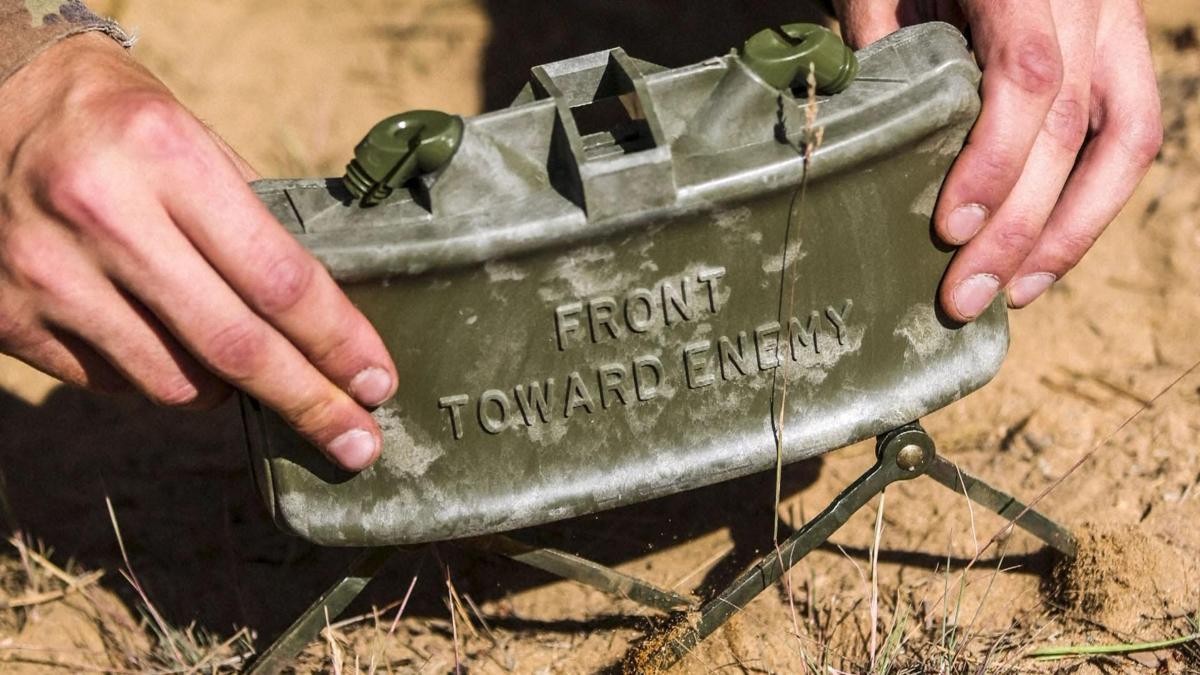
(577, 329)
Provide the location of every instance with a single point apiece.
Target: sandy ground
(292, 85)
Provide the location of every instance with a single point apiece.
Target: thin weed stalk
(874, 566)
(336, 657)
(894, 641)
(163, 629)
(453, 613)
(812, 139)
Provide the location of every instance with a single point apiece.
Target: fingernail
(356, 449)
(973, 294)
(1026, 289)
(965, 221)
(371, 386)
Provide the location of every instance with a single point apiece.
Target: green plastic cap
(783, 56)
(400, 147)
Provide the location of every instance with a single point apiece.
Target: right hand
(132, 253)
(1070, 123)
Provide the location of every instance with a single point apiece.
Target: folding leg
(282, 653)
(1007, 506)
(902, 454)
(584, 571)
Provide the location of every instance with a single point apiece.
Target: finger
(74, 296)
(1022, 70)
(1126, 138)
(24, 337)
(139, 347)
(67, 359)
(277, 278)
(987, 263)
(179, 286)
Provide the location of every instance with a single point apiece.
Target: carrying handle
(606, 176)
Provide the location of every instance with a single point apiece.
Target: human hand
(132, 253)
(1070, 123)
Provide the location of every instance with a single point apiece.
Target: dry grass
(63, 621)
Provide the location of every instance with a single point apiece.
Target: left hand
(134, 255)
(1070, 124)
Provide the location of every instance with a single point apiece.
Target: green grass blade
(1048, 653)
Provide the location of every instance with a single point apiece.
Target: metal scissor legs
(902, 454)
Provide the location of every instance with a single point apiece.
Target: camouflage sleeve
(29, 26)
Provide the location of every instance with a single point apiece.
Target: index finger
(1022, 72)
(1127, 137)
(280, 280)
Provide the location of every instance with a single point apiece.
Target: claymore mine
(622, 286)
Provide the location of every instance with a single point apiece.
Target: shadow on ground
(205, 549)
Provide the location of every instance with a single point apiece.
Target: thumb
(865, 22)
